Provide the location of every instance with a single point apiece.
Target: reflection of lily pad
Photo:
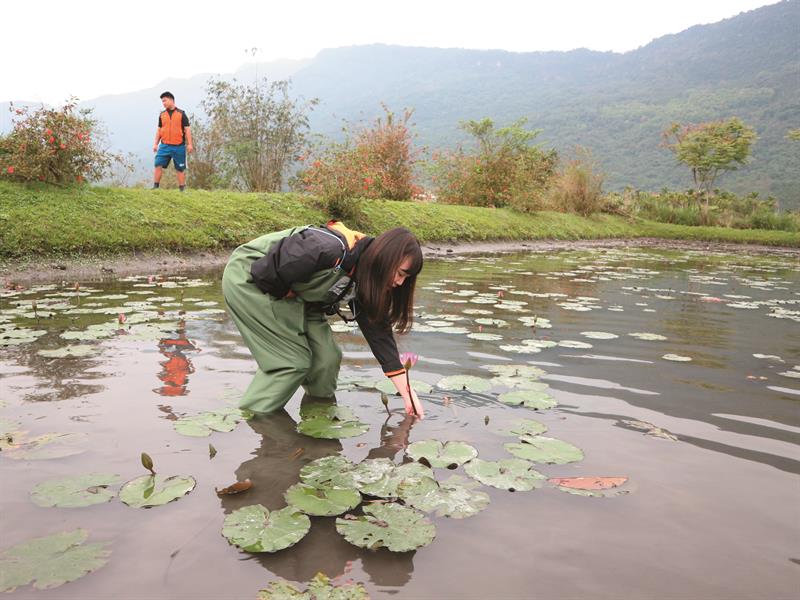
(453, 498)
(75, 492)
(319, 588)
(255, 529)
(155, 490)
(512, 474)
(386, 386)
(542, 449)
(485, 337)
(448, 455)
(464, 382)
(391, 526)
(330, 422)
(46, 446)
(387, 486)
(522, 427)
(76, 351)
(536, 399)
(201, 425)
(51, 561)
(321, 501)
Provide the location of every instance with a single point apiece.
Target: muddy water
(710, 514)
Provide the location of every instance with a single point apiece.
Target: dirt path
(50, 269)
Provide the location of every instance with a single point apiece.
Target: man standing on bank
(175, 137)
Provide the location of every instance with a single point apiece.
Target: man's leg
(179, 158)
(182, 180)
(157, 176)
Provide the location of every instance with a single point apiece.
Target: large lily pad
(599, 335)
(650, 337)
(329, 471)
(455, 498)
(522, 427)
(371, 470)
(331, 422)
(511, 474)
(464, 382)
(155, 490)
(449, 455)
(321, 501)
(319, 588)
(525, 371)
(397, 528)
(387, 486)
(677, 358)
(75, 492)
(535, 399)
(51, 561)
(202, 424)
(255, 529)
(542, 449)
(46, 446)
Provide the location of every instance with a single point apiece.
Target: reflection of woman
(275, 467)
(279, 287)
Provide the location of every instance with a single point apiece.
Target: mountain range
(615, 104)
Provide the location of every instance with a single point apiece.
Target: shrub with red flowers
(54, 145)
(374, 161)
(505, 168)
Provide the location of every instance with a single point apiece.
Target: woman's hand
(409, 396)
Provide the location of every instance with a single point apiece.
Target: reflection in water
(276, 466)
(177, 368)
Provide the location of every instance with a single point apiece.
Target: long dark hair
(376, 271)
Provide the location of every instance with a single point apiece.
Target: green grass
(43, 221)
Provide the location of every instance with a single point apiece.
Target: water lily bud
(147, 462)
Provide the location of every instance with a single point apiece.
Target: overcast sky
(87, 48)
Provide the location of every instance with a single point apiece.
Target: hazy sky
(87, 48)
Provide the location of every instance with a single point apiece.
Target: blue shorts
(176, 152)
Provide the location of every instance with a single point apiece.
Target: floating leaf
(75, 492)
(391, 526)
(525, 371)
(511, 474)
(542, 449)
(522, 427)
(201, 425)
(387, 485)
(236, 488)
(371, 471)
(538, 400)
(46, 446)
(599, 335)
(330, 471)
(330, 422)
(453, 498)
(51, 561)
(653, 337)
(485, 337)
(155, 490)
(677, 358)
(449, 455)
(574, 344)
(319, 588)
(212, 452)
(792, 374)
(255, 529)
(464, 382)
(321, 501)
(597, 487)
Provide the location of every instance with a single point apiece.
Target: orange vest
(172, 127)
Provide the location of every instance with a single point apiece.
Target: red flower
(52, 139)
(10, 170)
(48, 132)
(63, 146)
(79, 178)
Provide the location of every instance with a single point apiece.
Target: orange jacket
(172, 127)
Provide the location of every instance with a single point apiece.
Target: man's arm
(188, 133)
(158, 138)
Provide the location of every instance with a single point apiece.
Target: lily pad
(75, 492)
(387, 486)
(599, 335)
(370, 471)
(521, 427)
(51, 561)
(46, 446)
(201, 425)
(485, 337)
(598, 487)
(574, 344)
(321, 501)
(525, 371)
(535, 399)
(652, 337)
(677, 358)
(449, 455)
(542, 449)
(522, 349)
(464, 382)
(397, 528)
(255, 529)
(330, 471)
(330, 422)
(319, 588)
(387, 387)
(513, 474)
(453, 498)
(155, 490)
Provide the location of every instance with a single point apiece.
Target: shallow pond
(703, 442)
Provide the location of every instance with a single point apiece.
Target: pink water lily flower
(408, 359)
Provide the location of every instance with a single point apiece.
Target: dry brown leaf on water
(236, 488)
(588, 483)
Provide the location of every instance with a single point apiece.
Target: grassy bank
(87, 221)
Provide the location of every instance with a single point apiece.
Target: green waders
(290, 339)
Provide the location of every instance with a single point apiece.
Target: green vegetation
(45, 221)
